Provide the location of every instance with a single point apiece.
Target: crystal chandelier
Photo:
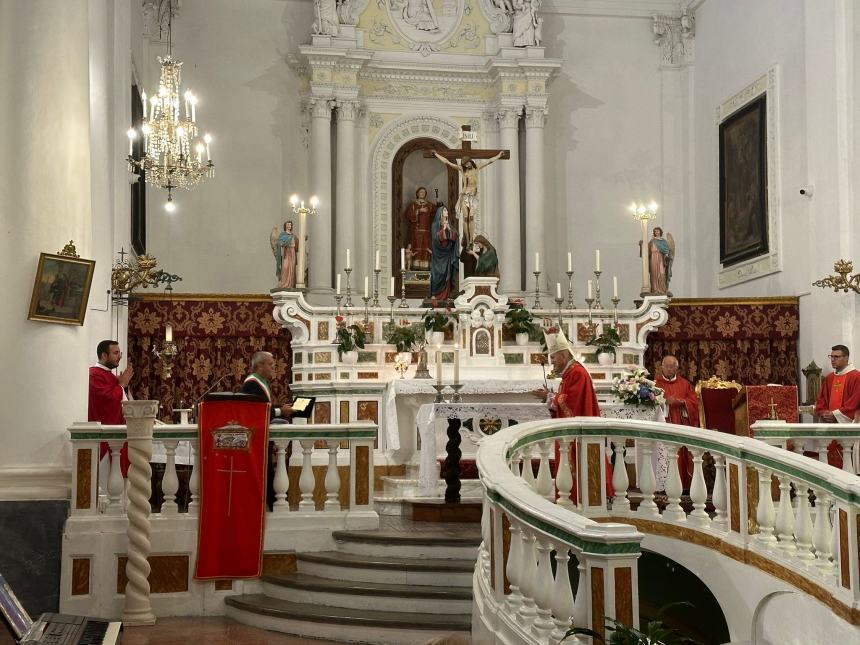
(172, 146)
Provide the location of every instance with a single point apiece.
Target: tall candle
(589, 289)
(456, 363)
(168, 333)
(558, 290)
(337, 283)
(439, 367)
(366, 290)
(402, 258)
(569, 262)
(347, 258)
(615, 286)
(597, 260)
(537, 262)
(376, 266)
(392, 285)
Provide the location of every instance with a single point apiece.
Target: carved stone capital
(535, 117)
(674, 35)
(320, 108)
(139, 418)
(348, 110)
(508, 117)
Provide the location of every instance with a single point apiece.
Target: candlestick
(597, 303)
(337, 299)
(456, 397)
(391, 300)
(403, 304)
(537, 289)
(589, 301)
(438, 387)
(376, 273)
(366, 312)
(558, 302)
(615, 302)
(597, 259)
(348, 302)
(570, 290)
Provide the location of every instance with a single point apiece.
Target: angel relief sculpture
(284, 248)
(661, 255)
(417, 13)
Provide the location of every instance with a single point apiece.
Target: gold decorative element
(69, 250)
(126, 276)
(323, 330)
(715, 383)
(841, 281)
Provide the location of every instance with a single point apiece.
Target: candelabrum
(391, 300)
(376, 273)
(537, 289)
(569, 289)
(439, 387)
(348, 302)
(366, 312)
(558, 303)
(615, 302)
(401, 368)
(165, 352)
(597, 303)
(403, 304)
(422, 371)
(337, 299)
(457, 398)
(841, 281)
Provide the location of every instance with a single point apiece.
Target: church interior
(541, 314)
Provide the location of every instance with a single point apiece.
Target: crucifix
(468, 169)
(230, 483)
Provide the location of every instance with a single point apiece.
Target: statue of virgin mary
(444, 268)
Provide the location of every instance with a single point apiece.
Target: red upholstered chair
(722, 406)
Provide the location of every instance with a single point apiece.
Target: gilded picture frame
(61, 289)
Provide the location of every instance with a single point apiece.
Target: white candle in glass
(337, 284)
(569, 262)
(168, 333)
(597, 260)
(376, 265)
(347, 258)
(589, 289)
(366, 290)
(537, 262)
(558, 290)
(392, 285)
(615, 286)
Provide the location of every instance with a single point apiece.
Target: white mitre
(557, 343)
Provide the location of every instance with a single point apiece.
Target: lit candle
(337, 282)
(208, 139)
(438, 367)
(558, 290)
(615, 286)
(347, 258)
(131, 135)
(537, 262)
(456, 363)
(143, 101)
(366, 290)
(392, 285)
(168, 333)
(376, 266)
(597, 260)
(403, 258)
(569, 262)
(589, 289)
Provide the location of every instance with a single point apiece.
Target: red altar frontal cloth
(233, 439)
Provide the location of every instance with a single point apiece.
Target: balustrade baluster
(544, 478)
(194, 481)
(486, 536)
(281, 483)
(306, 479)
(528, 473)
(822, 449)
(720, 497)
(170, 482)
(765, 512)
(543, 591)
(834, 533)
(332, 478)
(674, 487)
(562, 595)
(647, 482)
(803, 527)
(563, 478)
(116, 484)
(513, 569)
(580, 603)
(847, 456)
(822, 532)
(620, 481)
(516, 462)
(698, 491)
(528, 609)
(785, 516)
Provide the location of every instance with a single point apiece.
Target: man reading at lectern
(257, 383)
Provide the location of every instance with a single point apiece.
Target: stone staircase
(397, 490)
(403, 584)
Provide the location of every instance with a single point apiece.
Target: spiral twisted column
(139, 418)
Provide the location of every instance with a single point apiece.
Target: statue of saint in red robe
(683, 409)
(419, 214)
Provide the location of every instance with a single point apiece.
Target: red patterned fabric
(215, 337)
(750, 343)
(784, 397)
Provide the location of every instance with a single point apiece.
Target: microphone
(211, 387)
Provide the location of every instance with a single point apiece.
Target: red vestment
(684, 412)
(576, 398)
(839, 392)
(105, 406)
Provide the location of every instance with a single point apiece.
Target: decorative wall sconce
(842, 281)
(128, 275)
(166, 350)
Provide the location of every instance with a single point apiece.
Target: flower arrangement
(607, 341)
(436, 320)
(637, 389)
(519, 320)
(348, 337)
(404, 336)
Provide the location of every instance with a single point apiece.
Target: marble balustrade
(813, 437)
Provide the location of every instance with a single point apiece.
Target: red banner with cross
(233, 438)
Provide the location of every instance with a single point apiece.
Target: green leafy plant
(654, 633)
(437, 320)
(607, 341)
(403, 337)
(519, 320)
(348, 337)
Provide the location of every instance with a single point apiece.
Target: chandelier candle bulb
(597, 260)
(569, 262)
(168, 333)
(589, 289)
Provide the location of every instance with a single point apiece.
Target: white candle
(366, 290)
(193, 112)
(589, 289)
(537, 262)
(615, 286)
(569, 262)
(403, 258)
(597, 260)
(347, 258)
(438, 367)
(376, 265)
(337, 282)
(558, 290)
(168, 333)
(392, 285)
(456, 363)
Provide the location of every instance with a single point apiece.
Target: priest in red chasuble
(839, 397)
(107, 392)
(683, 409)
(575, 396)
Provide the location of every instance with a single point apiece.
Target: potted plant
(606, 343)
(349, 339)
(403, 337)
(654, 633)
(436, 322)
(520, 321)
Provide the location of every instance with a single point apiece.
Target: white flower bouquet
(635, 388)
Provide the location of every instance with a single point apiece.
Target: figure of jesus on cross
(467, 202)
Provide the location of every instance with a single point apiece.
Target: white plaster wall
(234, 59)
(604, 145)
(811, 42)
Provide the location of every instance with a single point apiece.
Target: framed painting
(743, 184)
(62, 289)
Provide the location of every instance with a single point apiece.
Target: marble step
(434, 542)
(359, 568)
(336, 623)
(305, 588)
(407, 487)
